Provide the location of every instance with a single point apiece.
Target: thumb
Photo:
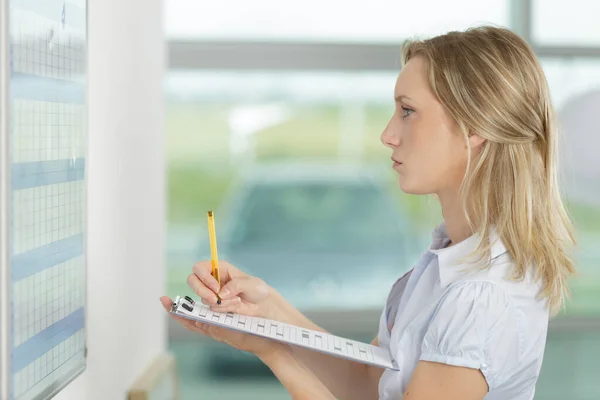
(250, 288)
(166, 302)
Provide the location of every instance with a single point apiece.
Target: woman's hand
(240, 293)
(241, 341)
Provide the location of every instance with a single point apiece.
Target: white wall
(126, 174)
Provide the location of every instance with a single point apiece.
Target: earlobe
(475, 140)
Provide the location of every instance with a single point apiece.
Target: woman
(474, 125)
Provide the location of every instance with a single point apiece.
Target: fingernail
(224, 293)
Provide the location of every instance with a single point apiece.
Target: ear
(475, 140)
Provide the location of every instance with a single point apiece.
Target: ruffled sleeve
(474, 326)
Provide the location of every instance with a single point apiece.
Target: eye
(406, 111)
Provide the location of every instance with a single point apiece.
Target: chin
(409, 187)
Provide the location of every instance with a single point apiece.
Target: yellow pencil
(213, 250)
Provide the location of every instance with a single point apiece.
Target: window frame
(261, 55)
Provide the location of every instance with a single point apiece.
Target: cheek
(459, 147)
(442, 154)
(436, 156)
(456, 157)
(431, 143)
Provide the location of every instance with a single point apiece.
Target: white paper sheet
(314, 340)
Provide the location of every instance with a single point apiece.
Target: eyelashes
(406, 111)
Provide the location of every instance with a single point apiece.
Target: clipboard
(326, 343)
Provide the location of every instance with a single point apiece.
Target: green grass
(199, 167)
(309, 133)
(193, 190)
(197, 134)
(585, 216)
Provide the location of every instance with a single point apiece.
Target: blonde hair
(491, 83)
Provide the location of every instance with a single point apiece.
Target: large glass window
(575, 88)
(556, 23)
(220, 122)
(570, 77)
(331, 20)
(313, 142)
(231, 133)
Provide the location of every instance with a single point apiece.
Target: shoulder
(474, 325)
(493, 298)
(473, 310)
(483, 318)
(496, 284)
(489, 323)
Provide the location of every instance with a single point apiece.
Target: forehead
(412, 78)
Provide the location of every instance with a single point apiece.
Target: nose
(390, 137)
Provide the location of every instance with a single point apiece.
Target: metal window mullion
(521, 18)
(283, 56)
(197, 55)
(567, 51)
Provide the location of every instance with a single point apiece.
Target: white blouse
(477, 319)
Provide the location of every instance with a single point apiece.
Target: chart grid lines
(47, 150)
(5, 210)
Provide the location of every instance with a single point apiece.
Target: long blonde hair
(491, 83)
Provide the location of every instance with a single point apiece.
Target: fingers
(166, 302)
(204, 292)
(250, 288)
(233, 302)
(189, 324)
(213, 332)
(203, 271)
(202, 328)
(206, 286)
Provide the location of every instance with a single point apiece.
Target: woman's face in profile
(429, 149)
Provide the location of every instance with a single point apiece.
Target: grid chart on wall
(47, 194)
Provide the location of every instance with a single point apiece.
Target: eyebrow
(402, 97)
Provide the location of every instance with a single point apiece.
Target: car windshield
(312, 217)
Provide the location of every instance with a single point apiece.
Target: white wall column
(126, 196)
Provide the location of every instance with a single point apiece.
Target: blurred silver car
(330, 238)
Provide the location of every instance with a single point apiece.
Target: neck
(455, 219)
